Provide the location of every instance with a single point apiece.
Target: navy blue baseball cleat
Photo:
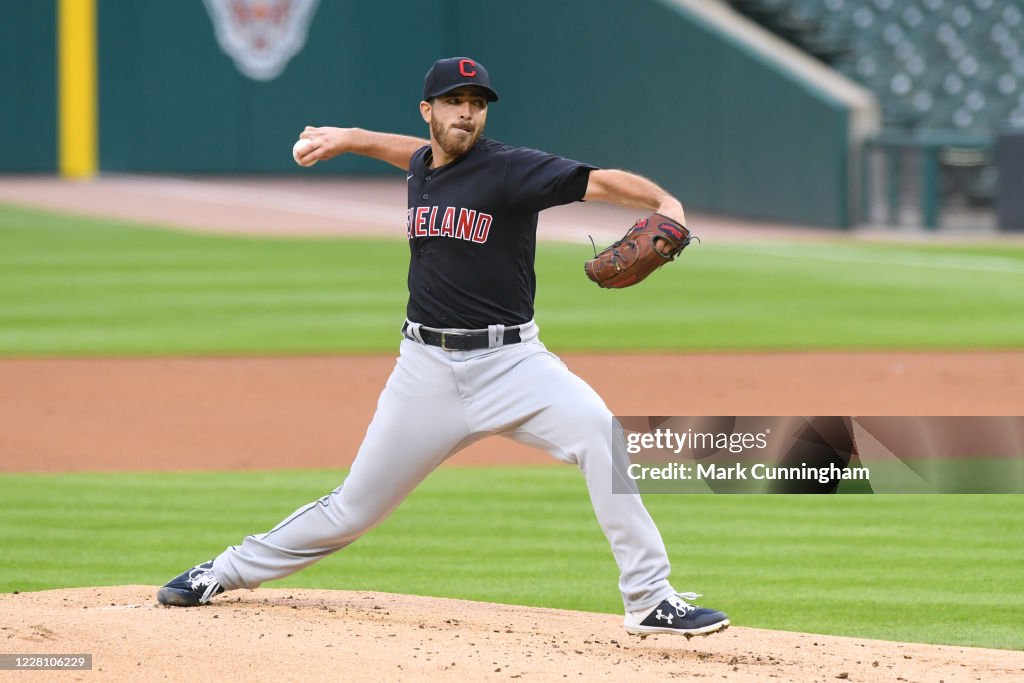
(675, 615)
(195, 587)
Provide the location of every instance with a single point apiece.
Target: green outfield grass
(71, 286)
(937, 569)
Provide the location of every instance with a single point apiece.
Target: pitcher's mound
(278, 635)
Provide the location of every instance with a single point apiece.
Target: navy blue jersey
(472, 228)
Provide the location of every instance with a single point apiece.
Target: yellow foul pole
(76, 66)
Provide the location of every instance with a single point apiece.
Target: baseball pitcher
(471, 363)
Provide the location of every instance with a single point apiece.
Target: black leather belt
(463, 341)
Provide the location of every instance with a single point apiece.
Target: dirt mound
(276, 634)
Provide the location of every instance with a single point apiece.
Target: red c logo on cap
(464, 70)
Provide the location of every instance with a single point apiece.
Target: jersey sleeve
(536, 180)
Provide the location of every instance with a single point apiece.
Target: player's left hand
(648, 245)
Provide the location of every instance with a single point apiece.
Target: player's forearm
(632, 191)
(329, 142)
(394, 149)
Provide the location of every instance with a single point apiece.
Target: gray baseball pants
(437, 402)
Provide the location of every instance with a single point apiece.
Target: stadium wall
(28, 76)
(684, 91)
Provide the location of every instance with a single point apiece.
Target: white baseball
(298, 148)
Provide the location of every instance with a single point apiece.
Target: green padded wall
(28, 77)
(635, 84)
(172, 101)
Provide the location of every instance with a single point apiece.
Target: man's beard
(454, 145)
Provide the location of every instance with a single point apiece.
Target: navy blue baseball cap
(448, 74)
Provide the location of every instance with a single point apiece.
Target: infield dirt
(279, 635)
(265, 413)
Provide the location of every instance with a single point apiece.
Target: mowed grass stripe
(939, 569)
(852, 254)
(74, 286)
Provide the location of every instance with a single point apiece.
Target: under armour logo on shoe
(666, 617)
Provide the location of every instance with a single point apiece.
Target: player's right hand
(328, 142)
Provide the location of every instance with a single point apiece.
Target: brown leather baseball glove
(648, 245)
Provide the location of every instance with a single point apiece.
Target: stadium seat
(934, 64)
